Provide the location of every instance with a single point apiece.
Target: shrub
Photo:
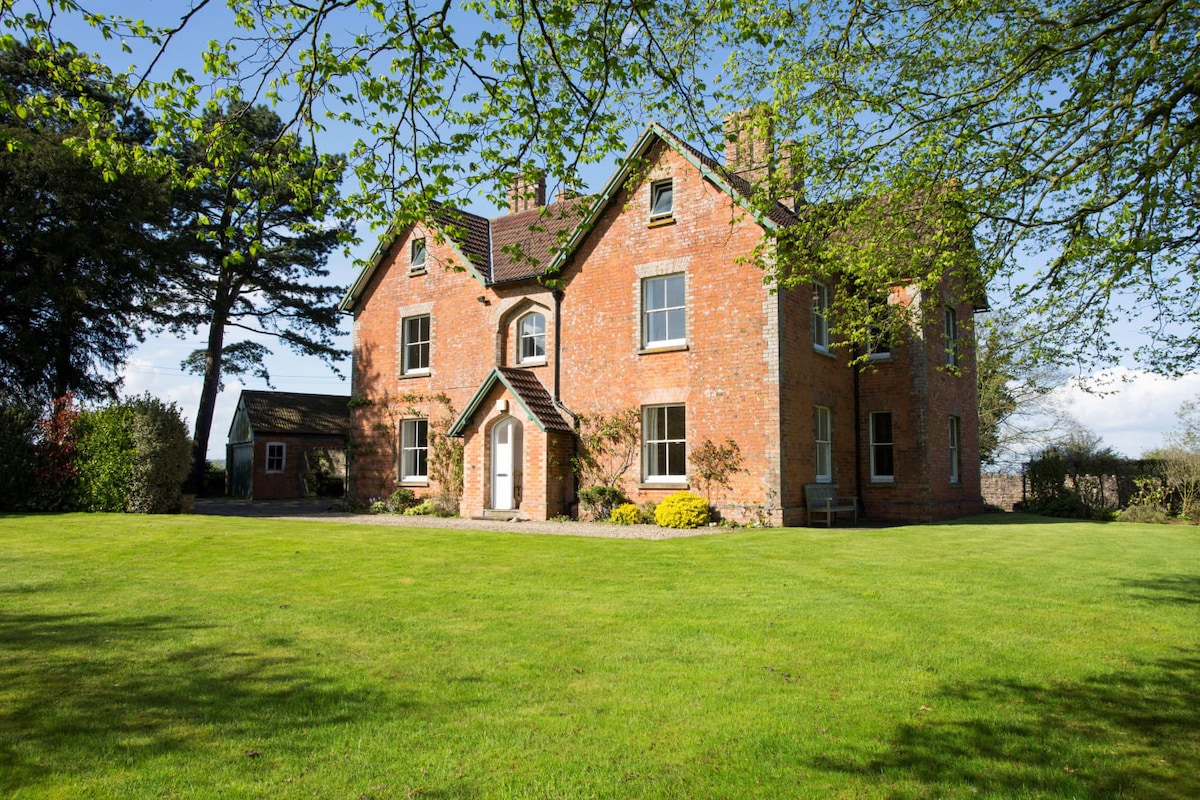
(647, 509)
(425, 507)
(379, 507)
(401, 500)
(55, 473)
(164, 456)
(1143, 513)
(104, 456)
(682, 510)
(626, 514)
(598, 502)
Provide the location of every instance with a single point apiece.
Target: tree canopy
(1062, 135)
(78, 264)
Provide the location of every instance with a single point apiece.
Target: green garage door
(241, 467)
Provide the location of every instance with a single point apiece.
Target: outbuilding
(287, 445)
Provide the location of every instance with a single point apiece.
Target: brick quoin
(748, 370)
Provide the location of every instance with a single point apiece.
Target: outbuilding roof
(296, 412)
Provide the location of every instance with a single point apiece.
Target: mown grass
(1001, 657)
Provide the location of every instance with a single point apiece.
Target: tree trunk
(208, 400)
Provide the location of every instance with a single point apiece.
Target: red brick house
(286, 445)
(655, 308)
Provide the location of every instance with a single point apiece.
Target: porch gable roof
(530, 394)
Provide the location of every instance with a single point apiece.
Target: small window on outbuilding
(276, 456)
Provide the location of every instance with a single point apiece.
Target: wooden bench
(822, 498)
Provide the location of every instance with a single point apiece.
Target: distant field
(1001, 657)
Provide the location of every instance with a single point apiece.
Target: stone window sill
(661, 222)
(668, 348)
(664, 485)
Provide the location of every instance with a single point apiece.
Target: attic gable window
(662, 203)
(416, 261)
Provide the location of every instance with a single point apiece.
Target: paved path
(325, 511)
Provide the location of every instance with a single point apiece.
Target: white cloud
(1130, 409)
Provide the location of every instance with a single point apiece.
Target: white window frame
(522, 338)
(418, 253)
(950, 320)
(955, 450)
(820, 316)
(657, 191)
(407, 344)
(411, 451)
(652, 437)
(648, 312)
(281, 449)
(823, 444)
(877, 446)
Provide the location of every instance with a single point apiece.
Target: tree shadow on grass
(1181, 590)
(1134, 733)
(84, 692)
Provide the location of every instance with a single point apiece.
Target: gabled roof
(530, 394)
(742, 191)
(468, 234)
(296, 412)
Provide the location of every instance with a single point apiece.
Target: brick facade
(743, 368)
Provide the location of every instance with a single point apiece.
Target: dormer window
(531, 339)
(416, 261)
(662, 203)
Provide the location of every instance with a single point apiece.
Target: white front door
(506, 464)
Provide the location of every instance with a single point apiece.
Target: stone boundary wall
(1002, 491)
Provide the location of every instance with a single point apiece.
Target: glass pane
(675, 322)
(881, 427)
(658, 459)
(662, 198)
(883, 460)
(422, 431)
(655, 294)
(421, 463)
(822, 460)
(674, 290)
(656, 323)
(675, 422)
(676, 459)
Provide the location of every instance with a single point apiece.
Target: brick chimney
(791, 177)
(750, 143)
(528, 190)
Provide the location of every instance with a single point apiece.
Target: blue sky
(1131, 415)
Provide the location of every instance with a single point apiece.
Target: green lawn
(1001, 657)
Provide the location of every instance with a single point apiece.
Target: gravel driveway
(323, 511)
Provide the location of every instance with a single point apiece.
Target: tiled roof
(535, 398)
(295, 412)
(524, 244)
(529, 393)
(469, 230)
